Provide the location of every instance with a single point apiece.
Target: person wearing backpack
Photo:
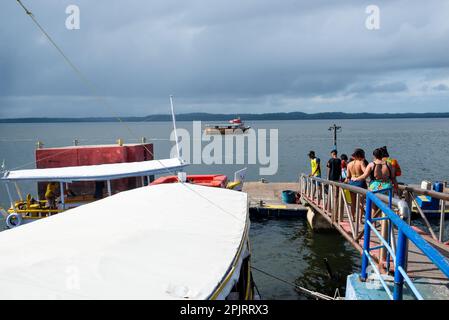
(393, 162)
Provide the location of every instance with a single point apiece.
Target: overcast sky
(225, 56)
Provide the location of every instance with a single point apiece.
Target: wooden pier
(331, 202)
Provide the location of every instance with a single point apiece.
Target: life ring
(13, 220)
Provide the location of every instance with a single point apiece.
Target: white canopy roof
(167, 241)
(97, 172)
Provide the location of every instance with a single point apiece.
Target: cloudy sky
(225, 56)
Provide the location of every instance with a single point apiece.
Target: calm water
(285, 248)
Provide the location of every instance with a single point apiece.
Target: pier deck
(419, 265)
(265, 199)
(332, 201)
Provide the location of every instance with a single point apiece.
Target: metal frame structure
(405, 233)
(328, 198)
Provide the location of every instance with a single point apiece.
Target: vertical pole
(322, 194)
(442, 211)
(174, 124)
(390, 198)
(341, 205)
(9, 196)
(400, 261)
(366, 238)
(357, 212)
(61, 190)
(109, 188)
(389, 227)
(385, 227)
(335, 136)
(409, 199)
(18, 191)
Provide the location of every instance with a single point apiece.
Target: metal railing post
(61, 190)
(366, 239)
(400, 262)
(443, 213)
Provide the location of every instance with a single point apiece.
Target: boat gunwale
(225, 279)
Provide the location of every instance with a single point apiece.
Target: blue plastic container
(438, 186)
(288, 196)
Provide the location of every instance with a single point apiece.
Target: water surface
(286, 248)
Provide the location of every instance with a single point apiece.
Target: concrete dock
(265, 199)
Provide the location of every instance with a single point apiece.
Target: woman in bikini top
(356, 168)
(381, 173)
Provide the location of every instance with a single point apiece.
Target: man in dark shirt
(334, 167)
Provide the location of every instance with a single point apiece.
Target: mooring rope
(306, 291)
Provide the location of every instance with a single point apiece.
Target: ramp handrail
(311, 188)
(405, 233)
(410, 193)
(330, 199)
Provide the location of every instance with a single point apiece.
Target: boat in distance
(235, 126)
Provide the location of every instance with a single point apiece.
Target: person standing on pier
(50, 195)
(356, 168)
(315, 164)
(393, 162)
(383, 175)
(334, 167)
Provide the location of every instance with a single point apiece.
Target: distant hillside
(244, 116)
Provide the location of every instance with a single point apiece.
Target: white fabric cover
(167, 241)
(97, 172)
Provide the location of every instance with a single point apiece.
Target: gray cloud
(390, 87)
(441, 87)
(252, 55)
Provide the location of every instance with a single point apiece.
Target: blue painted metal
(371, 261)
(410, 284)
(400, 262)
(405, 233)
(366, 239)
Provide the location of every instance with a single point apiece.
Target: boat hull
(208, 180)
(225, 131)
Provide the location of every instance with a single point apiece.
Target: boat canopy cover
(167, 241)
(97, 172)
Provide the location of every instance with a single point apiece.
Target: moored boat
(208, 180)
(137, 244)
(29, 209)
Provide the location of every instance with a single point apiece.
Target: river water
(287, 249)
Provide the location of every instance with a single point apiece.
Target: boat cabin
(136, 244)
(29, 208)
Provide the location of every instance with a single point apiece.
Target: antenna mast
(335, 129)
(174, 124)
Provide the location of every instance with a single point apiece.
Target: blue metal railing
(405, 232)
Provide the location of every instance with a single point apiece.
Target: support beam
(109, 188)
(61, 189)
